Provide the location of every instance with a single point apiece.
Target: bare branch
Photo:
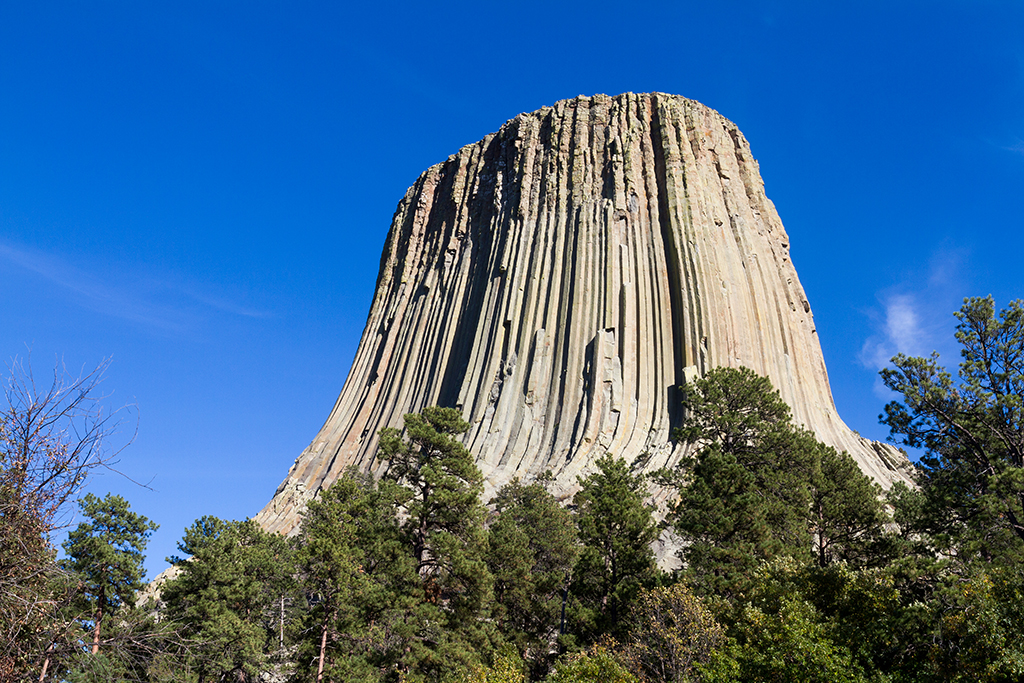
(52, 437)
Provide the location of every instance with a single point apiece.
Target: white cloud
(161, 304)
(903, 324)
(916, 317)
(945, 269)
(221, 303)
(899, 332)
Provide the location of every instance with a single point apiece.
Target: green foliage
(508, 667)
(616, 530)
(962, 532)
(597, 665)
(671, 635)
(93, 669)
(972, 430)
(791, 574)
(954, 623)
(802, 622)
(204, 530)
(876, 624)
(856, 610)
(436, 487)
(133, 645)
(737, 409)
(531, 554)
(744, 495)
(443, 515)
(979, 625)
(757, 487)
(358, 580)
(226, 600)
(329, 561)
(790, 643)
(724, 522)
(106, 554)
(847, 516)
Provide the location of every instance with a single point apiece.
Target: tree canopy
(226, 597)
(792, 567)
(971, 428)
(616, 529)
(107, 553)
(531, 552)
(756, 487)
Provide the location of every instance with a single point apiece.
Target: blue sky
(200, 191)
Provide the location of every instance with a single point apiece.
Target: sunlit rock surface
(559, 280)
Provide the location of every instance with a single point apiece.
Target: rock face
(559, 280)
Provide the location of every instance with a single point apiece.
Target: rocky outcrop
(559, 280)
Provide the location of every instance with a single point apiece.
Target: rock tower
(559, 280)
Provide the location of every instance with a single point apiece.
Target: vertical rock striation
(559, 280)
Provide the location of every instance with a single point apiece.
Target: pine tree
(616, 531)
(972, 430)
(759, 487)
(203, 531)
(356, 576)
(106, 553)
(533, 548)
(226, 599)
(847, 515)
(745, 495)
(962, 530)
(723, 521)
(436, 488)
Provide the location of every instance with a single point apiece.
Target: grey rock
(560, 280)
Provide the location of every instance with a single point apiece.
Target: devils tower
(560, 280)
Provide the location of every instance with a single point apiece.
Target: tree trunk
(100, 604)
(323, 651)
(46, 663)
(420, 540)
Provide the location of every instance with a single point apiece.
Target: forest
(791, 564)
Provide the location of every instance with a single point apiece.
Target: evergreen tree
(227, 598)
(723, 522)
(972, 430)
(847, 515)
(962, 531)
(358, 580)
(133, 645)
(106, 554)
(616, 531)
(533, 548)
(744, 496)
(436, 488)
(758, 487)
(204, 530)
(329, 563)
